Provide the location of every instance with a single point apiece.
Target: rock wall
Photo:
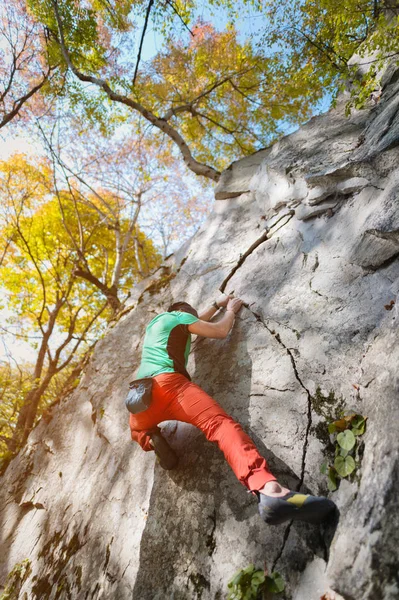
(307, 233)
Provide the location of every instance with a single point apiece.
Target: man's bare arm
(220, 329)
(208, 313)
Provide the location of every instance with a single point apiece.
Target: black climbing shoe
(166, 456)
(299, 507)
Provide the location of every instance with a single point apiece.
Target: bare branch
(147, 14)
(81, 338)
(18, 104)
(121, 249)
(173, 7)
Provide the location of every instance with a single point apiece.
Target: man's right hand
(234, 304)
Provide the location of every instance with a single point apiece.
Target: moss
(57, 555)
(160, 283)
(330, 407)
(321, 432)
(15, 580)
(200, 583)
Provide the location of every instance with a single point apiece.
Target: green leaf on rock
(246, 584)
(332, 428)
(346, 439)
(257, 579)
(332, 480)
(358, 425)
(339, 425)
(344, 466)
(275, 583)
(324, 467)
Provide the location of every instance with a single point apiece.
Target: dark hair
(183, 307)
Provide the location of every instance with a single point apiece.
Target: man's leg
(189, 403)
(276, 503)
(145, 431)
(143, 438)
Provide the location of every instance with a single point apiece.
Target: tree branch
(151, 2)
(171, 4)
(188, 107)
(161, 124)
(21, 101)
(81, 338)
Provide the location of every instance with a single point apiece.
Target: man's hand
(223, 300)
(219, 329)
(234, 304)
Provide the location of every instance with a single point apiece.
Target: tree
(119, 179)
(44, 294)
(319, 37)
(173, 218)
(212, 97)
(25, 66)
(14, 384)
(150, 183)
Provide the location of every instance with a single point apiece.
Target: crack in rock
(269, 387)
(316, 263)
(285, 538)
(309, 407)
(125, 569)
(266, 235)
(315, 291)
(211, 541)
(309, 423)
(32, 505)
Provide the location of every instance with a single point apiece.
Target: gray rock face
(306, 232)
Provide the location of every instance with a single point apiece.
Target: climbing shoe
(299, 507)
(166, 456)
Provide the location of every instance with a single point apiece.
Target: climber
(174, 397)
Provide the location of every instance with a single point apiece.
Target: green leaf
(246, 584)
(358, 432)
(332, 428)
(358, 425)
(332, 480)
(275, 583)
(344, 466)
(324, 467)
(346, 439)
(258, 578)
(343, 452)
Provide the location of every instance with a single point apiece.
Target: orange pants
(176, 398)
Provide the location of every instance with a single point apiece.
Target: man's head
(183, 307)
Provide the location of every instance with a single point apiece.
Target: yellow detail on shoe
(298, 499)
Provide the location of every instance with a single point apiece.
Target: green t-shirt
(167, 344)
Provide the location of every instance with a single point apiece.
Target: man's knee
(217, 425)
